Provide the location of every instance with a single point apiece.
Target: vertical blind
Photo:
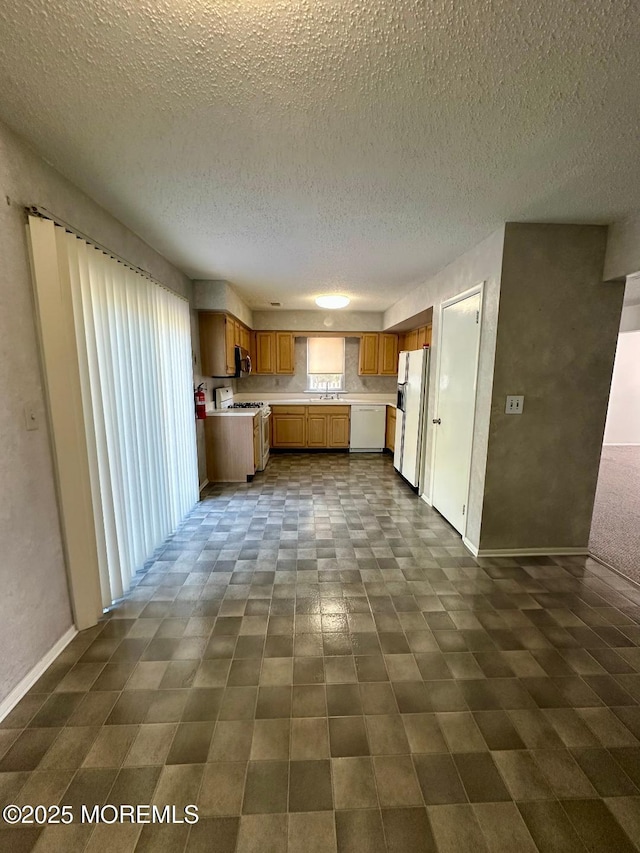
(133, 339)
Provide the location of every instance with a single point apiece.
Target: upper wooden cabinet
(378, 354)
(285, 354)
(368, 360)
(416, 338)
(265, 356)
(388, 355)
(273, 352)
(220, 334)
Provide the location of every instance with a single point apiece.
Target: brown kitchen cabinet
(390, 433)
(219, 336)
(388, 355)
(368, 357)
(232, 447)
(273, 352)
(315, 427)
(289, 426)
(378, 354)
(416, 338)
(338, 428)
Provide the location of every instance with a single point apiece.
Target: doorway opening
(615, 525)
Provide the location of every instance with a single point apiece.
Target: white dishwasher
(368, 425)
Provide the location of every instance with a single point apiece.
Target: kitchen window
(325, 364)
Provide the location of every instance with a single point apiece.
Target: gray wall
(298, 381)
(557, 331)
(623, 248)
(34, 606)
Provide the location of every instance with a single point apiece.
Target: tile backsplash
(298, 381)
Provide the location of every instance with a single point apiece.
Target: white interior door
(455, 406)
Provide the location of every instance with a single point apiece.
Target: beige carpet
(615, 531)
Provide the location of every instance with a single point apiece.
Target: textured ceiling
(312, 145)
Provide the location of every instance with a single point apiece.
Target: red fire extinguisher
(201, 409)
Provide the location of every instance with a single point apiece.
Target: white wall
(34, 602)
(623, 417)
(483, 263)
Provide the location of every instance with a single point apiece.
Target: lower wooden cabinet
(338, 430)
(390, 435)
(232, 446)
(289, 429)
(319, 427)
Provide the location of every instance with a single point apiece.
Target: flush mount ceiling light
(332, 301)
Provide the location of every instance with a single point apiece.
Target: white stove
(225, 402)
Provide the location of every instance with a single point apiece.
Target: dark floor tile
(550, 827)
(134, 785)
(244, 673)
(266, 787)
(191, 743)
(273, 702)
(310, 786)
(439, 779)
(347, 737)
(629, 760)
(597, 827)
(523, 777)
(131, 707)
(343, 700)
(28, 750)
(563, 773)
(605, 773)
(412, 697)
(56, 710)
(202, 704)
(19, 839)
(498, 731)
(238, 703)
(162, 838)
(371, 668)
(480, 777)
(89, 787)
(223, 829)
(456, 829)
(608, 689)
(308, 670)
(503, 828)
(407, 830)
(360, 832)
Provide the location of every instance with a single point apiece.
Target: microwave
(243, 363)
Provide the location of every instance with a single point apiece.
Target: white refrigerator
(411, 414)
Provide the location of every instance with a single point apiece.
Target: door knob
(437, 421)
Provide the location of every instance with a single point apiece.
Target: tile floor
(318, 664)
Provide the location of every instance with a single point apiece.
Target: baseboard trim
(622, 444)
(203, 485)
(9, 702)
(524, 552)
(427, 500)
(613, 569)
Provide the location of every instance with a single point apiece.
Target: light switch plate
(515, 405)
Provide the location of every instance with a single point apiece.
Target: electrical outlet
(514, 405)
(31, 419)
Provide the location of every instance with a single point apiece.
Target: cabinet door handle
(437, 421)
